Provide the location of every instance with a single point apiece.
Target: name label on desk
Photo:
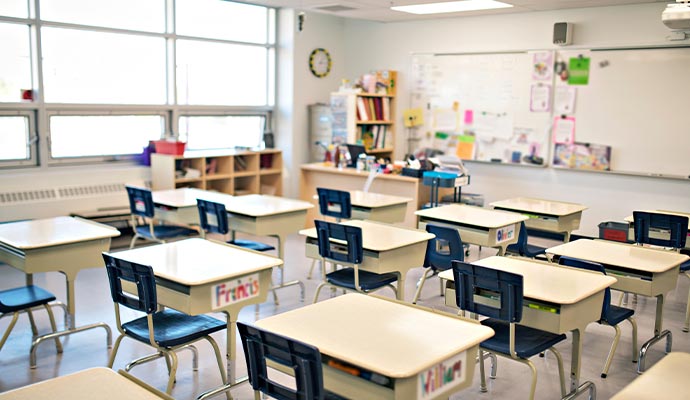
(505, 233)
(235, 290)
(441, 377)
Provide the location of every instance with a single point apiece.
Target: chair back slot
(213, 217)
(659, 229)
(141, 275)
(504, 287)
(140, 201)
(334, 203)
(444, 248)
(341, 243)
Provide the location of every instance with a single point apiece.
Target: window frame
(32, 161)
(267, 115)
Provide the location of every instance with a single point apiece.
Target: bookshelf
(231, 172)
(368, 118)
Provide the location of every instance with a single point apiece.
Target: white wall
(298, 88)
(388, 46)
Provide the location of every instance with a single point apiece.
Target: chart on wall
(487, 107)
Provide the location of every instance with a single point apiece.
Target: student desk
(476, 225)
(667, 379)
(378, 207)
(556, 299)
(639, 270)
(407, 346)
(94, 383)
(60, 244)
(255, 214)
(631, 231)
(387, 248)
(194, 276)
(545, 215)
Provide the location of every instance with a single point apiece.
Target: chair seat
(528, 341)
(252, 245)
(617, 315)
(165, 231)
(20, 298)
(685, 267)
(367, 280)
(533, 251)
(172, 328)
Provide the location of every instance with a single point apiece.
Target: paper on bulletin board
(582, 156)
(413, 117)
(446, 120)
(564, 130)
(542, 65)
(493, 125)
(465, 147)
(564, 99)
(540, 97)
(578, 71)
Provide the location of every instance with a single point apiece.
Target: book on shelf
(362, 110)
(386, 108)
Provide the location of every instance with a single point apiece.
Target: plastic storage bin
(613, 230)
(166, 147)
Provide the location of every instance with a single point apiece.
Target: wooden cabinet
(232, 172)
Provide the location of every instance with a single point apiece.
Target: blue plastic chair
(611, 315)
(334, 203)
(673, 230)
(524, 249)
(167, 330)
(25, 298)
(301, 358)
(510, 339)
(346, 249)
(440, 253)
(141, 206)
(213, 218)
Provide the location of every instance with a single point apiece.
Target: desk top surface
(539, 206)
(390, 338)
(255, 205)
(198, 261)
(547, 282)
(374, 200)
(471, 215)
(379, 236)
(667, 379)
(329, 168)
(631, 220)
(38, 233)
(94, 383)
(620, 254)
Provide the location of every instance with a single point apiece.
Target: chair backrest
(305, 360)
(674, 227)
(213, 217)
(522, 238)
(589, 266)
(506, 287)
(334, 203)
(141, 275)
(444, 248)
(140, 201)
(346, 248)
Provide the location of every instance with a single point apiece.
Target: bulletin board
(637, 101)
(497, 90)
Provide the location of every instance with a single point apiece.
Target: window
(96, 80)
(148, 15)
(102, 68)
(217, 132)
(18, 144)
(15, 67)
(102, 135)
(222, 74)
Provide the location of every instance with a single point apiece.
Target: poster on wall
(582, 156)
(542, 65)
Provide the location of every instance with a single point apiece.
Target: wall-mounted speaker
(562, 33)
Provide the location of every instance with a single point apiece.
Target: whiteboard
(495, 87)
(638, 102)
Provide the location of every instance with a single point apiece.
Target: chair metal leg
(420, 285)
(686, 326)
(533, 385)
(482, 385)
(561, 372)
(494, 365)
(15, 316)
(32, 321)
(221, 367)
(635, 352)
(173, 370)
(133, 241)
(612, 350)
(311, 269)
(51, 317)
(143, 360)
(113, 352)
(318, 290)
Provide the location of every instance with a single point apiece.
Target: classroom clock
(320, 62)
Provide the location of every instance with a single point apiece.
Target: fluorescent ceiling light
(452, 6)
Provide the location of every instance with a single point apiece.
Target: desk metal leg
(587, 386)
(283, 284)
(575, 388)
(659, 334)
(70, 322)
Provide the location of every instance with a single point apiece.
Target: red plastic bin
(613, 230)
(166, 147)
